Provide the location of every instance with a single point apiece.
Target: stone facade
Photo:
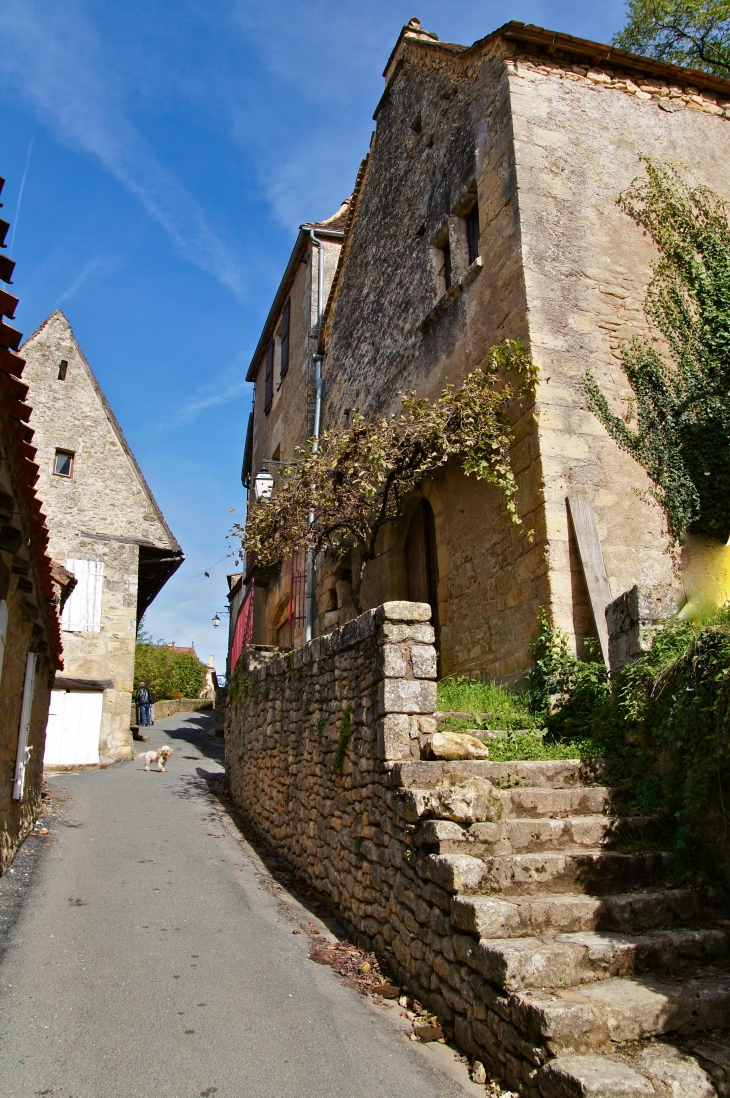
(103, 514)
(276, 432)
(499, 894)
(32, 590)
(538, 134)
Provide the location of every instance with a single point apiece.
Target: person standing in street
(144, 702)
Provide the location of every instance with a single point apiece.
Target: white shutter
(23, 756)
(3, 631)
(82, 612)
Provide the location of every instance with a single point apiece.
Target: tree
(340, 496)
(691, 33)
(681, 389)
(168, 674)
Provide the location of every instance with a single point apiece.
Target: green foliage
(537, 745)
(505, 707)
(565, 691)
(682, 402)
(168, 674)
(343, 741)
(320, 727)
(340, 495)
(691, 33)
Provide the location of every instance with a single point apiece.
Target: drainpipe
(317, 357)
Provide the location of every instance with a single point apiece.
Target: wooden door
(422, 562)
(74, 724)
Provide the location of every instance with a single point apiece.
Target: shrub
(168, 674)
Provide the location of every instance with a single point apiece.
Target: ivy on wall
(681, 381)
(341, 496)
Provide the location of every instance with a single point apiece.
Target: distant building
(32, 591)
(106, 528)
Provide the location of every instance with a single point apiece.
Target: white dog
(160, 757)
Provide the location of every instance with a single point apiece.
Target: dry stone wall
(323, 757)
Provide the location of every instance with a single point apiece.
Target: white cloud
(226, 386)
(97, 266)
(58, 67)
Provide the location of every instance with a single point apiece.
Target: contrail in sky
(20, 193)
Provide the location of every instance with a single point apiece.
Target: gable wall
(104, 497)
(587, 266)
(491, 580)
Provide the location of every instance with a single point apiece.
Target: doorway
(74, 724)
(422, 563)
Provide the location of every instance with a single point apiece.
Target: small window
(269, 380)
(62, 368)
(472, 233)
(284, 344)
(447, 265)
(63, 465)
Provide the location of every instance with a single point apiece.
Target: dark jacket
(144, 696)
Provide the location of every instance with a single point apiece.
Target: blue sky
(166, 153)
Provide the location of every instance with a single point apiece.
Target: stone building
(106, 528)
(283, 372)
(32, 591)
(486, 210)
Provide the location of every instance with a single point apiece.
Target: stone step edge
(587, 957)
(657, 1069)
(570, 912)
(553, 773)
(507, 830)
(595, 1017)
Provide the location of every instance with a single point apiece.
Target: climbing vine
(356, 481)
(681, 383)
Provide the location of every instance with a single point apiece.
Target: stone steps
(527, 836)
(548, 774)
(630, 912)
(659, 1071)
(535, 802)
(570, 870)
(587, 956)
(600, 1015)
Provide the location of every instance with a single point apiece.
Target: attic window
(269, 378)
(62, 368)
(284, 340)
(446, 273)
(63, 464)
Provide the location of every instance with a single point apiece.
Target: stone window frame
(451, 246)
(61, 452)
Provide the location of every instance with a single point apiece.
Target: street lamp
(263, 486)
(216, 622)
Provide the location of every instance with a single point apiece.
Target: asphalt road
(149, 952)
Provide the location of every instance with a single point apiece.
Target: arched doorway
(422, 562)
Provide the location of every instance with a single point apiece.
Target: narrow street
(153, 954)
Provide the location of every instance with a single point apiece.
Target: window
(269, 382)
(472, 233)
(63, 464)
(447, 265)
(62, 368)
(82, 611)
(284, 344)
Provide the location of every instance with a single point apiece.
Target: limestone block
(393, 733)
(394, 632)
(392, 662)
(592, 1077)
(680, 1074)
(455, 872)
(403, 611)
(632, 619)
(406, 696)
(423, 659)
(456, 745)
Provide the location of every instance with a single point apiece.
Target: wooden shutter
(23, 757)
(284, 363)
(269, 383)
(82, 612)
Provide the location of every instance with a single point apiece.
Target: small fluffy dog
(160, 757)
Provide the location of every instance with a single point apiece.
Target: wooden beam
(591, 558)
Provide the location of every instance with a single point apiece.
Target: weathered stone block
(393, 733)
(403, 611)
(406, 696)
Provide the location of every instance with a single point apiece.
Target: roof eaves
(597, 53)
(284, 285)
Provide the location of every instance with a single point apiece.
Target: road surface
(147, 952)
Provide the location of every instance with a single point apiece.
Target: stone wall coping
(345, 636)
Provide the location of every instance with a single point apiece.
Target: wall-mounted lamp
(263, 486)
(217, 618)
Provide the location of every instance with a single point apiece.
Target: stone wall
(323, 748)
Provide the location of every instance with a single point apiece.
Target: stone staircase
(571, 956)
